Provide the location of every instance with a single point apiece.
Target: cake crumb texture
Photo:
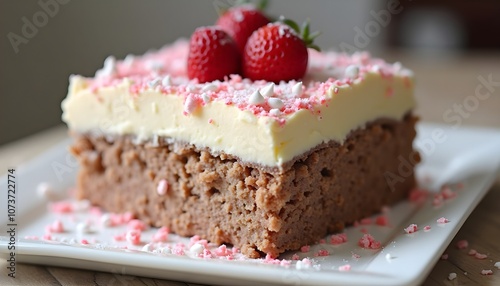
(260, 210)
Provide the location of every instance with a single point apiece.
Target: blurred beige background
(72, 36)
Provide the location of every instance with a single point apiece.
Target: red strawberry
(212, 55)
(276, 52)
(240, 22)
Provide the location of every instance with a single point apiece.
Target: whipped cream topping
(260, 122)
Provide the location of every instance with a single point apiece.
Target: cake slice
(266, 167)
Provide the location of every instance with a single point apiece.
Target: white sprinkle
(149, 247)
(352, 71)
(497, 264)
(108, 69)
(268, 90)
(406, 72)
(196, 249)
(72, 241)
(209, 87)
(83, 227)
(166, 81)
(129, 60)
(297, 89)
(154, 83)
(388, 257)
(63, 239)
(256, 98)
(190, 105)
(106, 220)
(45, 190)
(165, 250)
(275, 102)
(397, 66)
(274, 112)
(303, 264)
(154, 65)
(190, 88)
(452, 276)
(205, 98)
(375, 68)
(162, 187)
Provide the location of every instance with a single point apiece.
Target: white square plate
(412, 255)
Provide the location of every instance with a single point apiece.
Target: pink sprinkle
(84, 241)
(364, 230)
(305, 248)
(411, 228)
(136, 224)
(447, 193)
(61, 207)
(336, 90)
(295, 257)
(442, 220)
(382, 220)
(95, 211)
(437, 201)
(271, 260)
(366, 221)
(31, 237)
(356, 223)
(322, 252)
(160, 236)
(285, 263)
(480, 256)
(47, 237)
(127, 216)
(210, 121)
(427, 228)
(235, 250)
(223, 251)
(444, 256)
(322, 241)
(207, 253)
(367, 241)
(418, 195)
(356, 256)
(203, 242)
(193, 240)
(462, 244)
(178, 250)
(472, 252)
(338, 238)
(346, 267)
(56, 226)
(133, 236)
(162, 187)
(120, 237)
(486, 272)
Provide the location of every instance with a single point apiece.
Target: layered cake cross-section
(267, 167)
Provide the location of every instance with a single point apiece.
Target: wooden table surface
(444, 82)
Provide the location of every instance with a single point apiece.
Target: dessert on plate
(267, 145)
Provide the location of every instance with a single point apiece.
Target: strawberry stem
(303, 31)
